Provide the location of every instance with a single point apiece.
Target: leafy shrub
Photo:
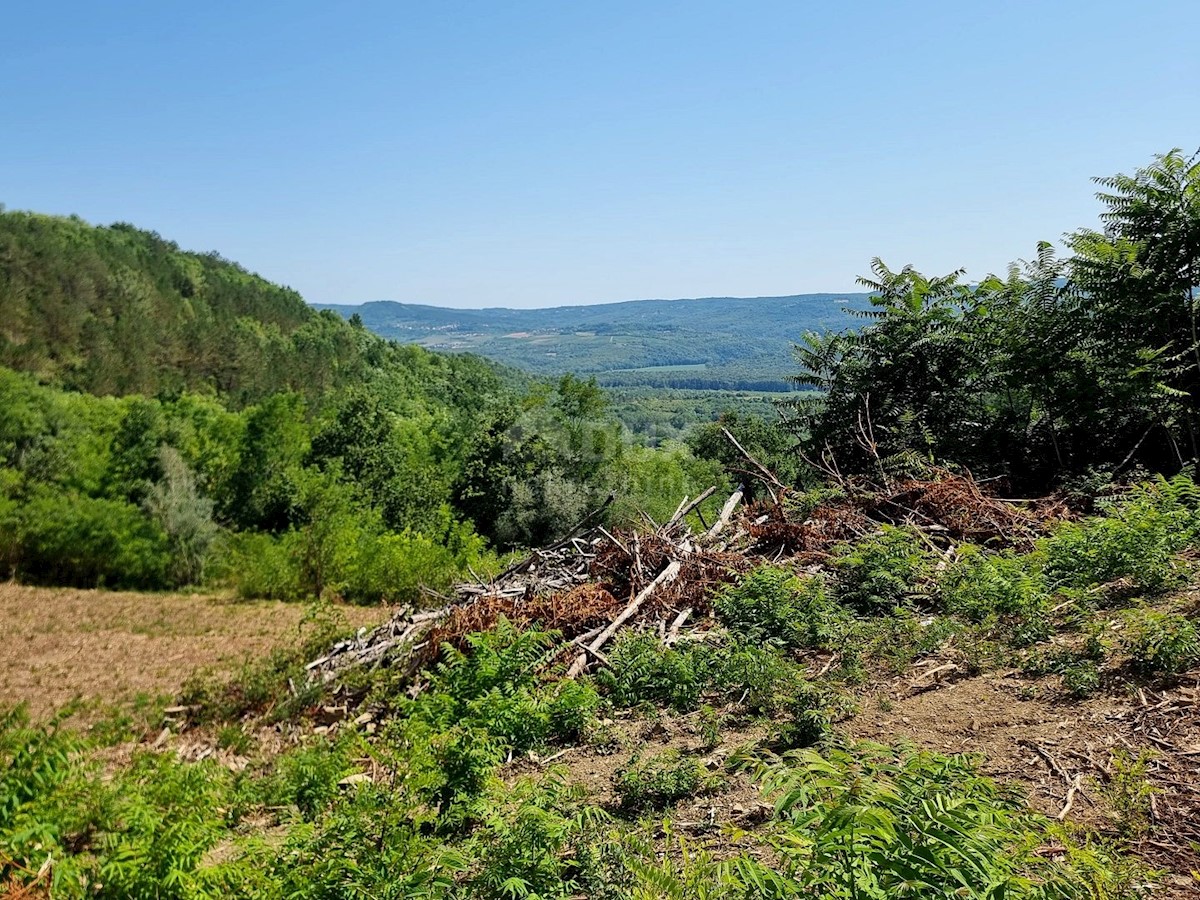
(89, 542)
(1080, 677)
(1160, 643)
(527, 838)
(308, 777)
(708, 726)
(900, 638)
(659, 782)
(1129, 792)
(759, 678)
(883, 571)
(167, 816)
(642, 670)
(774, 606)
(494, 688)
(868, 821)
(1137, 540)
(1009, 588)
(807, 721)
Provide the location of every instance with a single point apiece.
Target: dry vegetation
(108, 647)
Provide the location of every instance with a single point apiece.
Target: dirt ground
(107, 647)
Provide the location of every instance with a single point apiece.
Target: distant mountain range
(734, 343)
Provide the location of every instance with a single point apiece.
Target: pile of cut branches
(595, 582)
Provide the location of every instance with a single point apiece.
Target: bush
(760, 678)
(883, 571)
(493, 688)
(352, 557)
(642, 670)
(773, 606)
(1160, 643)
(868, 821)
(1010, 589)
(659, 782)
(89, 542)
(1137, 540)
(807, 722)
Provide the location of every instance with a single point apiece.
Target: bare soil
(107, 647)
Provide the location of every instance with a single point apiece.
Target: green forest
(984, 485)
(177, 421)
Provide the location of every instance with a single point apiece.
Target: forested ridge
(171, 419)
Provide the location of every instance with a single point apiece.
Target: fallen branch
(666, 575)
(726, 514)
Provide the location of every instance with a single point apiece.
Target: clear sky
(539, 153)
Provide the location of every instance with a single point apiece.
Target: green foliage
(67, 539)
(1160, 643)
(1061, 367)
(807, 721)
(1129, 792)
(708, 726)
(884, 571)
(494, 688)
(641, 670)
(872, 822)
(773, 606)
(1005, 588)
(658, 782)
(184, 515)
(1136, 540)
(529, 841)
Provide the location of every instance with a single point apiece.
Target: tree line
(1084, 365)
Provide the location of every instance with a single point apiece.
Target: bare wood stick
(682, 512)
(666, 575)
(767, 475)
(612, 537)
(673, 633)
(1076, 786)
(678, 510)
(726, 514)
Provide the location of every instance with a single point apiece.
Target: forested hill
(118, 310)
(716, 342)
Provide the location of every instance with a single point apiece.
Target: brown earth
(108, 647)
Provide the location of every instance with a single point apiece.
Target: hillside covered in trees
(714, 343)
(170, 418)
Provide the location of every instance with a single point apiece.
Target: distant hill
(119, 310)
(713, 343)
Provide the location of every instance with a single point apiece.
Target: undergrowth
(427, 805)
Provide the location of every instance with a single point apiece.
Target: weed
(886, 570)
(708, 727)
(1005, 590)
(659, 782)
(1159, 642)
(806, 724)
(773, 606)
(1080, 677)
(1137, 540)
(1129, 792)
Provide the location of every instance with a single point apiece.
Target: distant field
(106, 646)
(685, 367)
(716, 343)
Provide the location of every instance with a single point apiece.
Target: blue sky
(542, 153)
